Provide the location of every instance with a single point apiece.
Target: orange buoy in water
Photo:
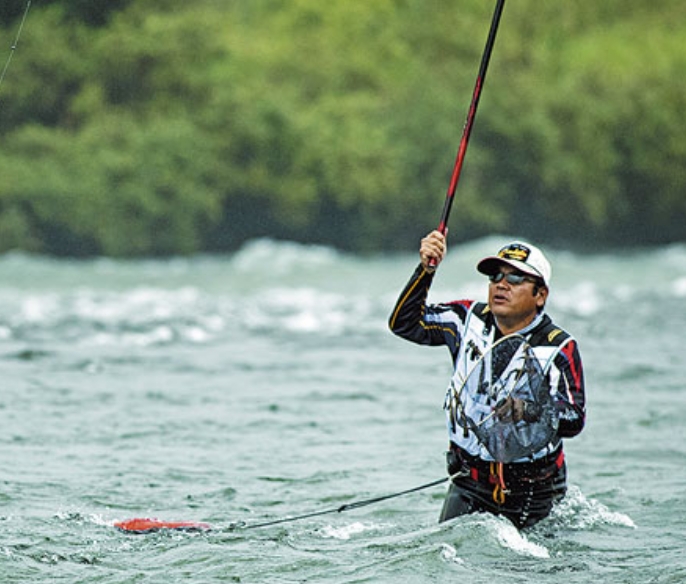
(149, 525)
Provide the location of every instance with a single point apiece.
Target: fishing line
(16, 42)
(341, 509)
(147, 525)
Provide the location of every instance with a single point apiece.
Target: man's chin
(499, 310)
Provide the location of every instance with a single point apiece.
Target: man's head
(519, 276)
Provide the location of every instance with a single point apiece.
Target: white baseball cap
(522, 256)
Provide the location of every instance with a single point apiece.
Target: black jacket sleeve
(427, 324)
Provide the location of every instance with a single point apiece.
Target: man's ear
(541, 293)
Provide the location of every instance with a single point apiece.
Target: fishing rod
(471, 114)
(149, 525)
(15, 43)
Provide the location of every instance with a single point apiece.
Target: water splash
(449, 554)
(511, 538)
(576, 511)
(345, 532)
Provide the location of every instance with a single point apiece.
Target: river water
(265, 384)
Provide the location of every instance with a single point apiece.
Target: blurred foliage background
(132, 128)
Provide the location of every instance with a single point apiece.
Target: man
(517, 389)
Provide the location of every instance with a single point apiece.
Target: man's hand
(433, 246)
(517, 410)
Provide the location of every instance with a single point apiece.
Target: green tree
(131, 128)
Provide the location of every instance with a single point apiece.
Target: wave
(144, 316)
(273, 287)
(578, 512)
(277, 258)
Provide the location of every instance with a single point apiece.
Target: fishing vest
(484, 366)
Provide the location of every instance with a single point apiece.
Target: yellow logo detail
(552, 334)
(514, 252)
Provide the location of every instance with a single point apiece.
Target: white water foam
(583, 299)
(346, 531)
(307, 310)
(579, 512)
(679, 288)
(281, 257)
(511, 538)
(449, 554)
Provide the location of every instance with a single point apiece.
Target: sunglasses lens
(509, 278)
(515, 278)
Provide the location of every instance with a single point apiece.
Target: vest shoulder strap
(481, 310)
(551, 335)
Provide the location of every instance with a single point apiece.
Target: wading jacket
(463, 325)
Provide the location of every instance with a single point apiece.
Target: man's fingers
(433, 246)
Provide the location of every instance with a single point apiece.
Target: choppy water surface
(265, 384)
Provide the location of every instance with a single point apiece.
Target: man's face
(515, 305)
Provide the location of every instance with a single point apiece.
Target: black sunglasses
(511, 278)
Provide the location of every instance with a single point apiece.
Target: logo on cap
(516, 252)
